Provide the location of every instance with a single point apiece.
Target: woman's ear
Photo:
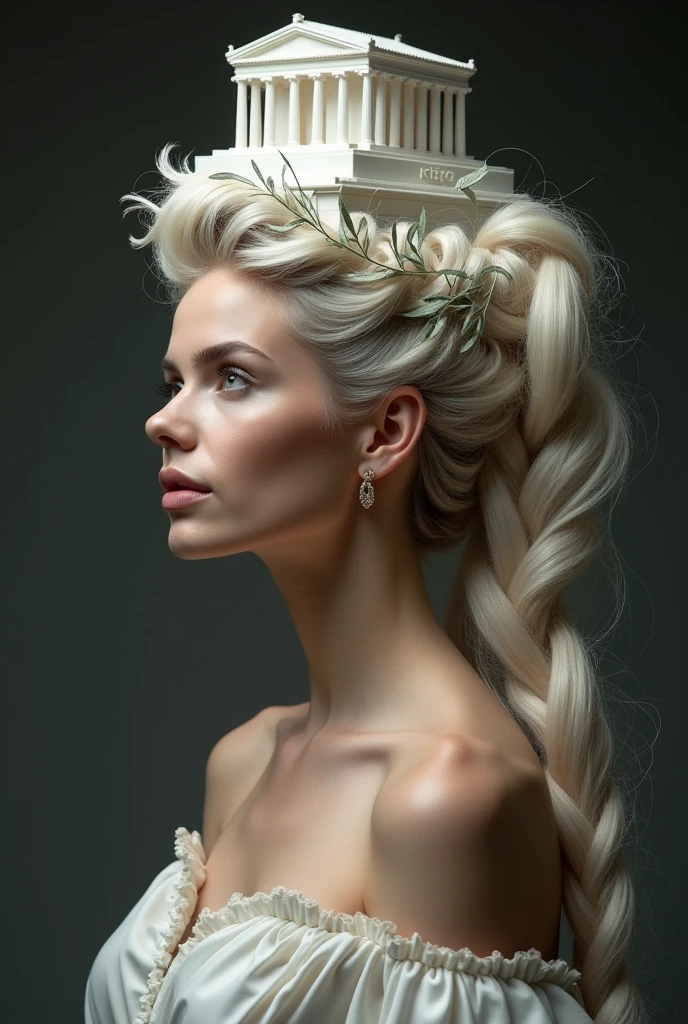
(390, 437)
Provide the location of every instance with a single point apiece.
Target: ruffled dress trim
(293, 905)
(189, 850)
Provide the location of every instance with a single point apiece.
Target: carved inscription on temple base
(433, 172)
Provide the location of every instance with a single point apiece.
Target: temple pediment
(305, 39)
(295, 42)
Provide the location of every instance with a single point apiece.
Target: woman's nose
(166, 432)
(155, 429)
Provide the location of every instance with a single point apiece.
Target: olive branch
(435, 307)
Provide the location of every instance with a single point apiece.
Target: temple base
(389, 182)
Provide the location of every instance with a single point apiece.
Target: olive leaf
(421, 227)
(228, 174)
(493, 269)
(395, 244)
(289, 226)
(346, 215)
(436, 328)
(416, 260)
(470, 179)
(347, 231)
(363, 226)
(454, 273)
(256, 168)
(305, 200)
(374, 275)
(477, 331)
(433, 304)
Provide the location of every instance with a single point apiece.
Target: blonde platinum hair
(526, 446)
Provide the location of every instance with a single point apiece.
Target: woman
(397, 848)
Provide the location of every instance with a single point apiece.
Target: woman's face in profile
(248, 425)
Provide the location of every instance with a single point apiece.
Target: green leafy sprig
(435, 308)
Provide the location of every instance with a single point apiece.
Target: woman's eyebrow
(214, 352)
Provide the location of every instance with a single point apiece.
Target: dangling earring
(366, 492)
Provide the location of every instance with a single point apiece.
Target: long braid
(537, 527)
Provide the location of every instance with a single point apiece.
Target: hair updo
(527, 439)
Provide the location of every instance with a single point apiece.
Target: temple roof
(306, 40)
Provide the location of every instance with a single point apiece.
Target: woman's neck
(367, 627)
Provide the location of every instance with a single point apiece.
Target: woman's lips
(181, 498)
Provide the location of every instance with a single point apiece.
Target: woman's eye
(165, 389)
(169, 388)
(234, 371)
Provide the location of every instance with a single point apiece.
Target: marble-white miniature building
(369, 117)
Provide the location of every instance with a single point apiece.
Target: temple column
(294, 134)
(269, 119)
(460, 123)
(409, 112)
(422, 117)
(241, 108)
(256, 119)
(435, 99)
(448, 123)
(366, 108)
(395, 112)
(381, 109)
(317, 136)
(342, 108)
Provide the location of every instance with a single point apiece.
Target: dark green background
(121, 664)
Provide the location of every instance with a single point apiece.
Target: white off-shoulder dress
(280, 959)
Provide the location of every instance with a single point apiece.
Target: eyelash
(166, 388)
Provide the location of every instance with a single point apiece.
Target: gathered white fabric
(279, 959)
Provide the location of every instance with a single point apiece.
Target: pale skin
(400, 738)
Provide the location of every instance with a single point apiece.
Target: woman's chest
(305, 826)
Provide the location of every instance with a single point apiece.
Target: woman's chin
(190, 548)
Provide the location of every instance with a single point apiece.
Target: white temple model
(371, 118)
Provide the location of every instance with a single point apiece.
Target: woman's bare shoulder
(246, 739)
(234, 765)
